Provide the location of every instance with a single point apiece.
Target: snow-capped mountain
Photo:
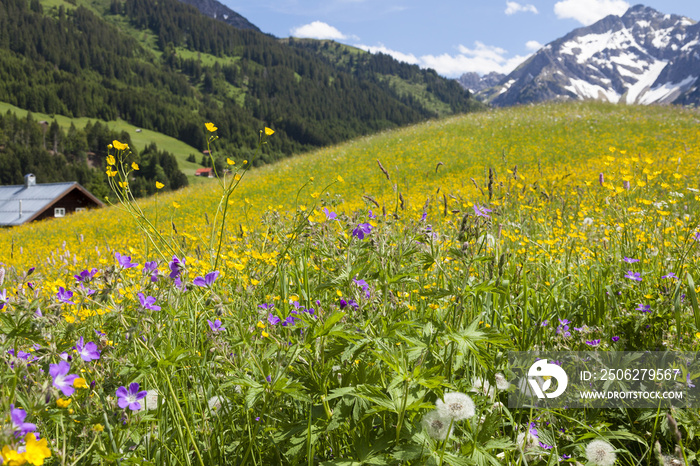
(643, 56)
(475, 83)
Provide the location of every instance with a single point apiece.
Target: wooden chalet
(25, 203)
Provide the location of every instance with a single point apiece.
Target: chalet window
(79, 209)
(59, 212)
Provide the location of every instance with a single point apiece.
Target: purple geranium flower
(266, 306)
(350, 302)
(207, 280)
(370, 214)
(482, 211)
(644, 308)
(290, 321)
(629, 260)
(330, 215)
(670, 275)
(362, 284)
(87, 291)
(362, 230)
(3, 298)
(593, 342)
(85, 276)
(18, 415)
(148, 302)
(130, 397)
(64, 295)
(88, 352)
(125, 261)
(216, 326)
(615, 338)
(688, 381)
(272, 319)
(176, 265)
(61, 379)
(563, 328)
(634, 276)
(545, 446)
(533, 430)
(151, 268)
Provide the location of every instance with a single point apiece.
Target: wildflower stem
(83, 454)
(184, 420)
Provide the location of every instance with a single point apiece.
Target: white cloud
(405, 57)
(588, 12)
(317, 30)
(481, 59)
(533, 45)
(515, 7)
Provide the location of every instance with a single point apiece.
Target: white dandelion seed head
(526, 389)
(526, 442)
(669, 460)
(601, 453)
(501, 381)
(483, 387)
(438, 427)
(216, 403)
(455, 405)
(588, 221)
(151, 400)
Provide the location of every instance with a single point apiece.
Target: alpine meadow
(356, 304)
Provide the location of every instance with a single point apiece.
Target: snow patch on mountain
(643, 56)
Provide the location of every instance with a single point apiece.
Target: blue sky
(450, 36)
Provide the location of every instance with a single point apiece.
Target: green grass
(408, 306)
(419, 92)
(140, 139)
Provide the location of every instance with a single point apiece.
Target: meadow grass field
(356, 305)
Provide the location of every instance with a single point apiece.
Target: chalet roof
(35, 199)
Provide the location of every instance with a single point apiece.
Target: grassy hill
(557, 149)
(360, 302)
(140, 139)
(165, 67)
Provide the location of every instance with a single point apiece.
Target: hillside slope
(166, 67)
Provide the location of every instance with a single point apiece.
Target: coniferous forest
(78, 61)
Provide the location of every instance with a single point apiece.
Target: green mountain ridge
(165, 67)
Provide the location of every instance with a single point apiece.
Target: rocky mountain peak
(643, 56)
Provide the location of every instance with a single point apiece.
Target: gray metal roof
(34, 199)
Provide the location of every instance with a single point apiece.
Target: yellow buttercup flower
(340, 178)
(230, 162)
(80, 383)
(110, 160)
(134, 165)
(176, 205)
(98, 428)
(123, 184)
(159, 185)
(12, 457)
(265, 334)
(269, 132)
(61, 403)
(111, 173)
(119, 145)
(210, 127)
(36, 452)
